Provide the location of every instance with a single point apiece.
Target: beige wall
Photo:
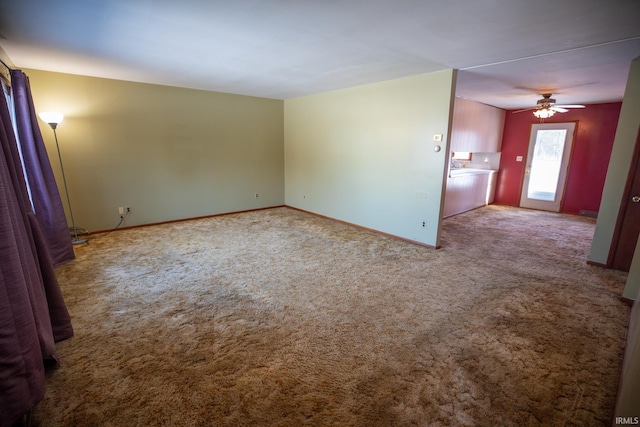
(628, 124)
(365, 155)
(619, 166)
(629, 394)
(632, 287)
(168, 153)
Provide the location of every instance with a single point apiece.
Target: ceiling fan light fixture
(544, 113)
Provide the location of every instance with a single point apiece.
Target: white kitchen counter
(468, 171)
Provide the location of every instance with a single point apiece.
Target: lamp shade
(544, 113)
(51, 117)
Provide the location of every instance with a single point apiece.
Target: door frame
(560, 190)
(626, 194)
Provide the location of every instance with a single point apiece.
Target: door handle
(635, 199)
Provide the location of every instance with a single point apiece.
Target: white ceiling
(507, 51)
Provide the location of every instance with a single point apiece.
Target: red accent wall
(592, 143)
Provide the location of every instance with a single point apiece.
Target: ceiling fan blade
(569, 106)
(526, 109)
(558, 109)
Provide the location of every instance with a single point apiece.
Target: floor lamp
(53, 119)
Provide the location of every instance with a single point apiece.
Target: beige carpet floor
(281, 318)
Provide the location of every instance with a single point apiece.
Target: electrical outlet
(424, 223)
(257, 195)
(128, 209)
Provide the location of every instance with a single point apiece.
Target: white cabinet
(469, 190)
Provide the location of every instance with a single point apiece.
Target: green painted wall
(168, 153)
(365, 155)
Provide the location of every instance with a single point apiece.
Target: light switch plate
(437, 137)
(518, 158)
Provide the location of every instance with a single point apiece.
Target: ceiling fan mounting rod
(546, 99)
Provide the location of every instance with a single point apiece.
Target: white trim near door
(550, 197)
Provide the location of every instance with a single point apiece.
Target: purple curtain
(32, 313)
(45, 196)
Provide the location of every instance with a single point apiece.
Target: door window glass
(546, 164)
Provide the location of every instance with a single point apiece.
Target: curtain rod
(5, 64)
(6, 77)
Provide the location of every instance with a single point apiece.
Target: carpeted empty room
(282, 318)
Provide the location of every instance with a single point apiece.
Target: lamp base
(78, 241)
(76, 232)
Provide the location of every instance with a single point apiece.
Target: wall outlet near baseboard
(122, 211)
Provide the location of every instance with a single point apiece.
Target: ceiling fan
(546, 107)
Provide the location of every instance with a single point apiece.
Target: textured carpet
(280, 318)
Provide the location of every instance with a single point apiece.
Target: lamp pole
(52, 120)
(76, 240)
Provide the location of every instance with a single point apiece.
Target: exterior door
(628, 228)
(547, 165)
